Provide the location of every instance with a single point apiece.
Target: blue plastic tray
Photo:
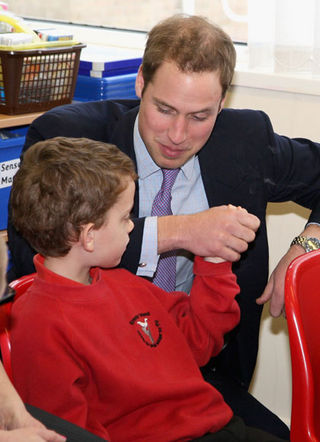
(93, 89)
(109, 68)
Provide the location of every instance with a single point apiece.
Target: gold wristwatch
(308, 244)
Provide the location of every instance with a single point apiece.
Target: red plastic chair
(20, 285)
(302, 300)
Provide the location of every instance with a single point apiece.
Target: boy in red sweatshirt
(95, 344)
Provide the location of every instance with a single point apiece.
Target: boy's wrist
(215, 259)
(203, 267)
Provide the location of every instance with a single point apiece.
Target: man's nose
(178, 129)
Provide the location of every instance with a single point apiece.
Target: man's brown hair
(194, 44)
(63, 184)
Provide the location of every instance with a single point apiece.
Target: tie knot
(169, 177)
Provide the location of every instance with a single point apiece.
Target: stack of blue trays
(107, 88)
(104, 74)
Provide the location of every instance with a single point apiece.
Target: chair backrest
(20, 285)
(302, 300)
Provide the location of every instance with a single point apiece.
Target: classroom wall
(293, 114)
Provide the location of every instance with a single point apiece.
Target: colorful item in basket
(51, 34)
(5, 27)
(16, 26)
(15, 38)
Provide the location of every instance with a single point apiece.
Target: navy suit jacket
(243, 163)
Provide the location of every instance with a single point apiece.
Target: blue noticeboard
(11, 143)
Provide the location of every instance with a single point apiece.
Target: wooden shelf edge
(17, 120)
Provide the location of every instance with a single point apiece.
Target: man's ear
(139, 82)
(87, 237)
(221, 105)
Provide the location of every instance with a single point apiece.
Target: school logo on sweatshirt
(148, 329)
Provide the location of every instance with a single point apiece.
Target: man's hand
(223, 231)
(30, 435)
(274, 291)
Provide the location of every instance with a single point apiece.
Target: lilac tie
(165, 276)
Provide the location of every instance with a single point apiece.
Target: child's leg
(237, 431)
(72, 432)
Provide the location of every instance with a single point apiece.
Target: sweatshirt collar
(51, 277)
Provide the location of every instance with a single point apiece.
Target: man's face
(177, 113)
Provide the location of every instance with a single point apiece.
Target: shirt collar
(145, 164)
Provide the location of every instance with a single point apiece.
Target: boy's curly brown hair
(63, 184)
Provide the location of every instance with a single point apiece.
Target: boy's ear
(87, 237)
(139, 82)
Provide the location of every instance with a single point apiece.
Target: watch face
(312, 244)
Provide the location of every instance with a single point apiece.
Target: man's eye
(164, 110)
(199, 118)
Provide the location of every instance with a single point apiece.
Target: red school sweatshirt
(121, 357)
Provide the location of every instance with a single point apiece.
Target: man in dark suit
(227, 159)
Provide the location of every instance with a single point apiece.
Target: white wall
(293, 114)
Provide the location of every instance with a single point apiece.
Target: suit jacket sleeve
(252, 165)
(291, 170)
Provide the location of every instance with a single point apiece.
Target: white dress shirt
(188, 196)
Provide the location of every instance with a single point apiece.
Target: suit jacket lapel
(122, 137)
(220, 165)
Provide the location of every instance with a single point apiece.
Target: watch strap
(307, 243)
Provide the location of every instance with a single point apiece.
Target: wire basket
(36, 80)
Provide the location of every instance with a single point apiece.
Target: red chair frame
(302, 301)
(20, 285)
